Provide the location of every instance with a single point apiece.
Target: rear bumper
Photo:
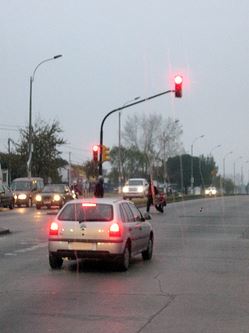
(133, 195)
(97, 249)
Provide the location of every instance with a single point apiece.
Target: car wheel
(55, 262)
(147, 254)
(125, 259)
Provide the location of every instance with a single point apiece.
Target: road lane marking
(27, 249)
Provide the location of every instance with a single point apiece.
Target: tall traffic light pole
(116, 110)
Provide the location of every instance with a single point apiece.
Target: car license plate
(82, 246)
(47, 202)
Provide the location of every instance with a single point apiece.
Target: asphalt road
(197, 280)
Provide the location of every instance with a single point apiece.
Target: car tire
(147, 254)
(124, 261)
(55, 262)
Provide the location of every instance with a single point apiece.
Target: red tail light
(54, 228)
(115, 230)
(88, 204)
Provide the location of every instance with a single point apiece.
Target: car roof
(107, 200)
(26, 179)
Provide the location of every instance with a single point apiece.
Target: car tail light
(114, 230)
(88, 204)
(54, 228)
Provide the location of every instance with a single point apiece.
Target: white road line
(27, 249)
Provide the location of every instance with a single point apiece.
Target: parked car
(100, 228)
(54, 195)
(25, 190)
(135, 188)
(6, 197)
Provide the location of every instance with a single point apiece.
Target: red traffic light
(178, 86)
(95, 150)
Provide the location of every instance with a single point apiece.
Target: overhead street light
(215, 147)
(192, 166)
(32, 78)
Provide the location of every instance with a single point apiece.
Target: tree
(179, 171)
(155, 138)
(91, 169)
(46, 158)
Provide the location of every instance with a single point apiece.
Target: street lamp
(119, 143)
(234, 173)
(215, 147)
(192, 166)
(30, 112)
(224, 167)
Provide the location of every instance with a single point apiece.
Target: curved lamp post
(119, 109)
(30, 112)
(215, 147)
(234, 171)
(192, 166)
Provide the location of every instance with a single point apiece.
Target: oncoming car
(54, 195)
(25, 190)
(100, 228)
(135, 188)
(211, 191)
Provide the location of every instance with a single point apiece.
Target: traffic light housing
(178, 86)
(105, 153)
(95, 151)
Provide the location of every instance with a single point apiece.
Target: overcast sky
(116, 50)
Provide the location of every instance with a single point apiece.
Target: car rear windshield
(135, 182)
(87, 212)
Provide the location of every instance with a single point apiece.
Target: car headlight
(22, 196)
(15, 196)
(125, 189)
(140, 189)
(38, 197)
(57, 197)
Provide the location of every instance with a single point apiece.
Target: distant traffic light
(178, 86)
(95, 151)
(105, 153)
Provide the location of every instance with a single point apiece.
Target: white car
(100, 228)
(135, 188)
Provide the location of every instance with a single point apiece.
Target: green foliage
(134, 163)
(91, 169)
(46, 157)
(179, 171)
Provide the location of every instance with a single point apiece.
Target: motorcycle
(160, 202)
